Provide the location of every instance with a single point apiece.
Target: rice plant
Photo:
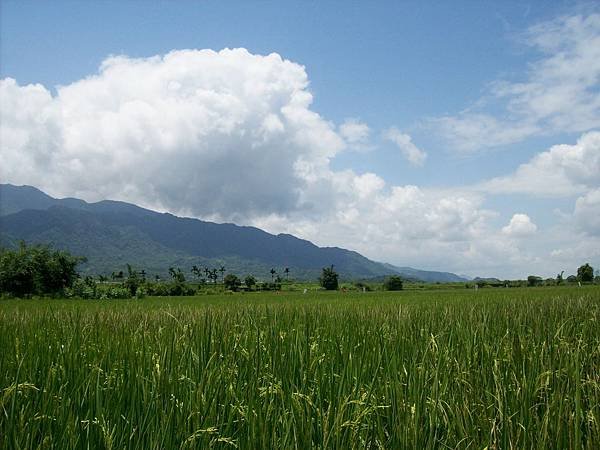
(502, 369)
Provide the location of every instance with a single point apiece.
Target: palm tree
(273, 272)
(212, 274)
(287, 273)
(222, 270)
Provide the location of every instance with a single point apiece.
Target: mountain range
(111, 234)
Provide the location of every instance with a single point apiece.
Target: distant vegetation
(36, 270)
(329, 279)
(41, 270)
(393, 283)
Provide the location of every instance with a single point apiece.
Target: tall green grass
(498, 369)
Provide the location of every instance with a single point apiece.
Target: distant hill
(487, 280)
(112, 233)
(427, 275)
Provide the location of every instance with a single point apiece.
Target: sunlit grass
(505, 368)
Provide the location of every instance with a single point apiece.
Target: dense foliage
(36, 270)
(329, 278)
(232, 282)
(459, 369)
(393, 283)
(585, 273)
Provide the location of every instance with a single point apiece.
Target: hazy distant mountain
(427, 275)
(111, 234)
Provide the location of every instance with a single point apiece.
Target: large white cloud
(560, 92)
(226, 133)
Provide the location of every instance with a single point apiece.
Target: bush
(86, 290)
(532, 280)
(115, 292)
(81, 289)
(359, 285)
(168, 289)
(265, 286)
(393, 283)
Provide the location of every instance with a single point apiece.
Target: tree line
(41, 270)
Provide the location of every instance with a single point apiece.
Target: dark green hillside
(112, 233)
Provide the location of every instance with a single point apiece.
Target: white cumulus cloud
(520, 225)
(187, 131)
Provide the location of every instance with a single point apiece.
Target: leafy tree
(572, 279)
(559, 278)
(585, 273)
(232, 282)
(532, 280)
(329, 278)
(250, 281)
(36, 270)
(393, 283)
(133, 281)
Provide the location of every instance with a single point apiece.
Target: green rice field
(495, 369)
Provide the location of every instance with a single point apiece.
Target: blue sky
(472, 89)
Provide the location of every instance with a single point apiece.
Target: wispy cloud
(560, 93)
(409, 150)
(356, 134)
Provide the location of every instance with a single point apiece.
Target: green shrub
(393, 283)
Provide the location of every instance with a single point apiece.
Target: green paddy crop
(505, 368)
